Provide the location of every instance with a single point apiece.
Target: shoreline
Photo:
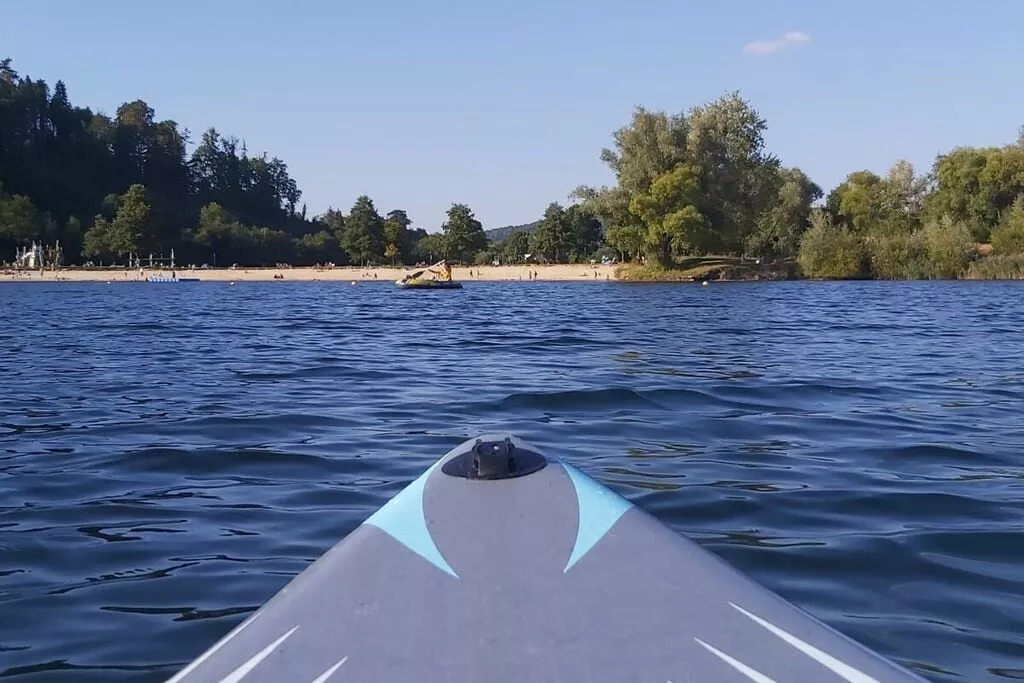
(353, 275)
(538, 273)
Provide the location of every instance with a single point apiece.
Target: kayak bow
(502, 564)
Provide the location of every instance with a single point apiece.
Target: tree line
(109, 187)
(965, 218)
(693, 183)
(702, 182)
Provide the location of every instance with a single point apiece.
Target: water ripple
(170, 457)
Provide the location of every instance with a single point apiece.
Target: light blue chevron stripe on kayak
(402, 519)
(599, 509)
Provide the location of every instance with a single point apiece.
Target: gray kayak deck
(548, 576)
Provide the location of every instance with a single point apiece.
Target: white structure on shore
(38, 256)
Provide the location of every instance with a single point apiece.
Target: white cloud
(767, 47)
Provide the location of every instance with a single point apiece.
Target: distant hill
(503, 233)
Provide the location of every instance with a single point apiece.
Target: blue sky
(505, 106)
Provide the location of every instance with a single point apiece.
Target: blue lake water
(171, 455)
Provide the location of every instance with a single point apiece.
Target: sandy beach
(547, 273)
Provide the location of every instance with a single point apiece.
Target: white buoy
(705, 283)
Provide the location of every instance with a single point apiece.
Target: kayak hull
(543, 576)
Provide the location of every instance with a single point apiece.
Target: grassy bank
(700, 268)
(998, 267)
(941, 250)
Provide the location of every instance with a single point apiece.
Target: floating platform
(428, 284)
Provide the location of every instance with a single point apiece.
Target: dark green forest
(689, 184)
(109, 187)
